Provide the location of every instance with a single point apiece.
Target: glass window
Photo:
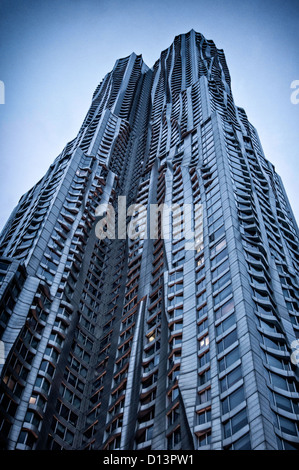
(230, 321)
(204, 376)
(203, 325)
(217, 234)
(236, 423)
(204, 359)
(215, 216)
(215, 225)
(203, 342)
(233, 400)
(287, 426)
(223, 267)
(174, 439)
(213, 207)
(204, 439)
(227, 341)
(229, 359)
(223, 294)
(282, 382)
(286, 403)
(230, 379)
(270, 343)
(218, 247)
(204, 396)
(219, 257)
(221, 281)
(204, 416)
(241, 444)
(224, 309)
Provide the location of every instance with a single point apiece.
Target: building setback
(143, 342)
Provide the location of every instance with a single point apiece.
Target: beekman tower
(138, 342)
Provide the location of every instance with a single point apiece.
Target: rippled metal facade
(142, 343)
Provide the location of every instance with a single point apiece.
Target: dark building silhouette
(142, 342)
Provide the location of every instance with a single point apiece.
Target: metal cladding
(153, 336)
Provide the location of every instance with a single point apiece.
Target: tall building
(111, 341)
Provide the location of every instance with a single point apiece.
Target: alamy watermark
(175, 222)
(295, 354)
(295, 93)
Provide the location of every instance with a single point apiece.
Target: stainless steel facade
(142, 343)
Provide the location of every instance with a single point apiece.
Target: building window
(223, 294)
(225, 324)
(229, 359)
(287, 426)
(227, 307)
(218, 258)
(233, 400)
(234, 424)
(174, 439)
(204, 439)
(173, 415)
(224, 279)
(241, 444)
(227, 341)
(204, 416)
(27, 438)
(230, 379)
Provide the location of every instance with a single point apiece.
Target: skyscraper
(154, 340)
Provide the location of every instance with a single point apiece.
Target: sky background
(53, 54)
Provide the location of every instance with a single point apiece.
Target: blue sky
(53, 54)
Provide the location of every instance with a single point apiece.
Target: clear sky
(53, 54)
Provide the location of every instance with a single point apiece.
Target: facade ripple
(155, 340)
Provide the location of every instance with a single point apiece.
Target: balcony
(148, 406)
